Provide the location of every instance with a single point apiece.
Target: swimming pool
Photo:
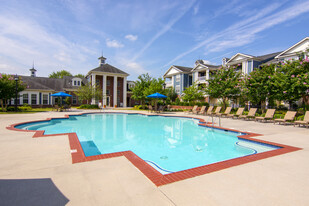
(169, 144)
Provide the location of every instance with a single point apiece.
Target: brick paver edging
(152, 174)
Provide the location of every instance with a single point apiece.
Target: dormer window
(76, 82)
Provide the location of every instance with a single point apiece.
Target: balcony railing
(169, 83)
(202, 78)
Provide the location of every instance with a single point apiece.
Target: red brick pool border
(152, 174)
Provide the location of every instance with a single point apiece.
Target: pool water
(169, 144)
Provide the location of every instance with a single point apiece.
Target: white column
(93, 85)
(115, 91)
(196, 77)
(124, 91)
(207, 74)
(104, 89)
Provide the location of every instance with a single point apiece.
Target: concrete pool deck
(279, 180)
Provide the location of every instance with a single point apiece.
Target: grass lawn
(29, 111)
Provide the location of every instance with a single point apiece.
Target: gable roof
(292, 47)
(181, 69)
(239, 54)
(107, 68)
(201, 63)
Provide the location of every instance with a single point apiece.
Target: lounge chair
(268, 116)
(217, 111)
(238, 113)
(161, 108)
(202, 111)
(305, 121)
(289, 116)
(56, 107)
(251, 114)
(193, 109)
(150, 109)
(227, 111)
(209, 110)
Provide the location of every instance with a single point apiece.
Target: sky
(142, 36)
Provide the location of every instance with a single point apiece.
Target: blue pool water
(169, 144)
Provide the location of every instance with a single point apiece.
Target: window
(118, 83)
(76, 82)
(177, 89)
(25, 99)
(250, 67)
(33, 98)
(108, 82)
(45, 99)
(74, 99)
(178, 78)
(118, 92)
(107, 92)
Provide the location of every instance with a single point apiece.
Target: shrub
(88, 106)
(25, 107)
(10, 109)
(138, 107)
(300, 117)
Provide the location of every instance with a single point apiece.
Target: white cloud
(131, 37)
(113, 43)
(196, 9)
(245, 31)
(165, 29)
(136, 68)
(26, 40)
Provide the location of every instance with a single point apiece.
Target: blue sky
(140, 36)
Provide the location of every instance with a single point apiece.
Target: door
(107, 101)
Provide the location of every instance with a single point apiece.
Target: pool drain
(164, 157)
(198, 150)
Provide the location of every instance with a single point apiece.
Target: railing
(169, 83)
(202, 78)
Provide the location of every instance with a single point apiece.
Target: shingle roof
(108, 69)
(45, 83)
(209, 65)
(268, 57)
(183, 69)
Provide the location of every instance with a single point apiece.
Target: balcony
(202, 78)
(168, 83)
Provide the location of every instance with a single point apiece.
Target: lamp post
(164, 84)
(16, 82)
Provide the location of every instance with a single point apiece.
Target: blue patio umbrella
(61, 94)
(156, 96)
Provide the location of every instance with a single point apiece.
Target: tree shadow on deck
(30, 192)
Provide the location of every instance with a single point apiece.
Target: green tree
(88, 92)
(171, 94)
(225, 84)
(193, 93)
(259, 86)
(79, 75)
(291, 81)
(60, 74)
(8, 89)
(141, 84)
(156, 85)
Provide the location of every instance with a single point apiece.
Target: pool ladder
(213, 120)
